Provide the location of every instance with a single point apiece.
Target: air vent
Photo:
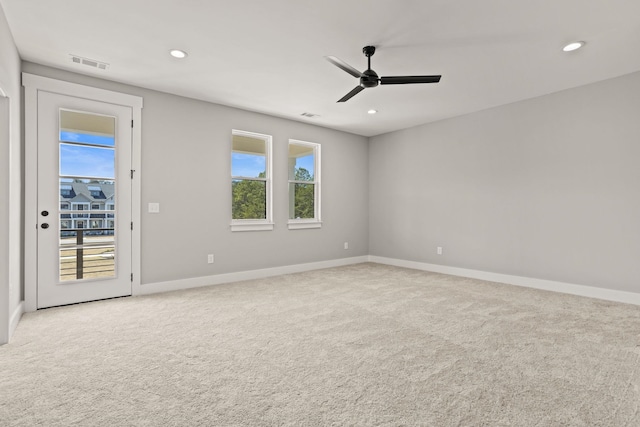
(310, 115)
(89, 62)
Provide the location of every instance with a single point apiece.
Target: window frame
(265, 224)
(77, 207)
(316, 221)
(65, 190)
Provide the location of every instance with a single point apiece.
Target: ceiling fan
(369, 78)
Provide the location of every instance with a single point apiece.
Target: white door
(84, 200)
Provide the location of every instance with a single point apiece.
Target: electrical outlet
(439, 250)
(210, 259)
(346, 245)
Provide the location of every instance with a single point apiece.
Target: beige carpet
(362, 345)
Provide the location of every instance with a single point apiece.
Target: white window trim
(316, 222)
(257, 224)
(300, 224)
(246, 225)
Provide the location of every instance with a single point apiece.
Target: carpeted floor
(362, 345)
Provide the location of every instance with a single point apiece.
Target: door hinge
(131, 225)
(132, 171)
(131, 123)
(132, 277)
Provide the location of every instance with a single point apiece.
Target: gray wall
(10, 180)
(186, 168)
(546, 188)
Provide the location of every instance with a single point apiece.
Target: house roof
(80, 192)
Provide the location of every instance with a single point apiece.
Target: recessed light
(372, 111)
(573, 46)
(177, 53)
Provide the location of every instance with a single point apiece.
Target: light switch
(154, 207)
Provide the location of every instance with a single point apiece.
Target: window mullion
(244, 178)
(302, 182)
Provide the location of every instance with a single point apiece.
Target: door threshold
(83, 302)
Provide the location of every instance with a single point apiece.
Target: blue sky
(77, 160)
(81, 160)
(247, 165)
(306, 162)
(251, 165)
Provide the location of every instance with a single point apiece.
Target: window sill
(300, 225)
(256, 226)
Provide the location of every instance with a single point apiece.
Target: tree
(304, 195)
(249, 199)
(302, 174)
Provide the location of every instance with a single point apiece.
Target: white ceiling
(268, 55)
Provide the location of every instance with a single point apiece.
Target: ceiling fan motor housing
(369, 79)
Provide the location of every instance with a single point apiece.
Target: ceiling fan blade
(401, 80)
(343, 66)
(351, 94)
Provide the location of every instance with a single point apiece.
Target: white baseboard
(196, 282)
(15, 318)
(527, 282)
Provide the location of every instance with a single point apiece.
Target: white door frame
(5, 179)
(32, 84)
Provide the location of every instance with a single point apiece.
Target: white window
(80, 207)
(110, 207)
(304, 185)
(65, 190)
(95, 191)
(251, 189)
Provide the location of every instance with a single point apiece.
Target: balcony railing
(99, 251)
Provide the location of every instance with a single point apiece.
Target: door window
(86, 174)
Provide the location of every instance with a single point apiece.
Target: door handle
(45, 225)
(44, 213)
